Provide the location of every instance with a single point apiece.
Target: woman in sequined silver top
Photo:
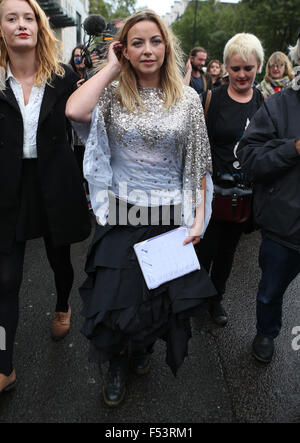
(146, 144)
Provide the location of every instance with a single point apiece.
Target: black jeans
(216, 252)
(280, 266)
(11, 273)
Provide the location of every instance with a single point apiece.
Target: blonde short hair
(244, 45)
(279, 57)
(46, 49)
(171, 71)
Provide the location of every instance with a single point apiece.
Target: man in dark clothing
(270, 153)
(195, 76)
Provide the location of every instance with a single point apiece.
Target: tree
(101, 7)
(274, 22)
(124, 8)
(113, 8)
(214, 25)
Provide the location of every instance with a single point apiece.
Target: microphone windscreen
(94, 25)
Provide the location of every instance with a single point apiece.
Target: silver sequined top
(146, 157)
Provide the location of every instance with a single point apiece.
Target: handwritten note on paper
(164, 258)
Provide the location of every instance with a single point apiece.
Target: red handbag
(232, 204)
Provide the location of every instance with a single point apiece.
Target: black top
(217, 83)
(230, 120)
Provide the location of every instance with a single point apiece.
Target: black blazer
(61, 183)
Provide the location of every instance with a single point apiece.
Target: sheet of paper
(164, 258)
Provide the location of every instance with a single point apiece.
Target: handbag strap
(207, 102)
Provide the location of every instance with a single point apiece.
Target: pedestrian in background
(230, 110)
(77, 63)
(41, 194)
(195, 76)
(214, 69)
(146, 131)
(270, 154)
(279, 74)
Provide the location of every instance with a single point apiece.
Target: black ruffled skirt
(120, 310)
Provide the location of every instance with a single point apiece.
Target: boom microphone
(94, 25)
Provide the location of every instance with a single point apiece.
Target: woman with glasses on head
(279, 74)
(41, 194)
(146, 146)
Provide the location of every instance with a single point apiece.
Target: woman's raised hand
(114, 56)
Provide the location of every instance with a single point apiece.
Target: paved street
(219, 382)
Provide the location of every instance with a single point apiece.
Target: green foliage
(101, 7)
(111, 9)
(274, 22)
(124, 8)
(213, 27)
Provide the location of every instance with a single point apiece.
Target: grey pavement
(220, 382)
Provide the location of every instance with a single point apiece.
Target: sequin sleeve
(197, 158)
(96, 165)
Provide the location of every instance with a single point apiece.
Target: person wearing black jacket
(270, 153)
(41, 194)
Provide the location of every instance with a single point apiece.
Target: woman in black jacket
(41, 194)
(231, 108)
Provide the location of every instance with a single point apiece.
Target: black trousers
(11, 273)
(280, 266)
(216, 252)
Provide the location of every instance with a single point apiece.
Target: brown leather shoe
(7, 383)
(61, 325)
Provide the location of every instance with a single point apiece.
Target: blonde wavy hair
(47, 48)
(171, 71)
(279, 57)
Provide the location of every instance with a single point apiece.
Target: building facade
(177, 11)
(66, 18)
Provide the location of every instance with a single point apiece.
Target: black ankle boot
(218, 313)
(140, 362)
(115, 386)
(263, 348)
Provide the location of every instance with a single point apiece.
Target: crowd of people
(217, 153)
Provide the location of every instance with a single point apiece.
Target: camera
(95, 26)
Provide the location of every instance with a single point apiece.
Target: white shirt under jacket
(30, 113)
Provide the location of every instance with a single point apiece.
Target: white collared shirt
(30, 113)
